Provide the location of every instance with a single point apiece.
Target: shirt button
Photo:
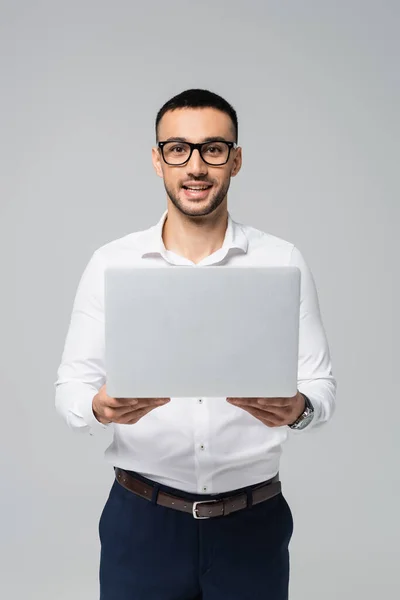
(205, 488)
(200, 400)
(202, 447)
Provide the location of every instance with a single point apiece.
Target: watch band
(305, 415)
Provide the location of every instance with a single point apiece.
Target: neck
(195, 238)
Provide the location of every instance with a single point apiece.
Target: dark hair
(198, 98)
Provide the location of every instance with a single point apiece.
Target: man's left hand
(274, 412)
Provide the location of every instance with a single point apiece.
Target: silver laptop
(207, 331)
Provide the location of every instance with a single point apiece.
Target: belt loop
(249, 493)
(154, 494)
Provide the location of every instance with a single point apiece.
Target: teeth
(195, 189)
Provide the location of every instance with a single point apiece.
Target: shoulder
(268, 249)
(267, 244)
(257, 237)
(128, 247)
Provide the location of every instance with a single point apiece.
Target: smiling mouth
(197, 188)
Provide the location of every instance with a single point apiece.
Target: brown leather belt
(200, 509)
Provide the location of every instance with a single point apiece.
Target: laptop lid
(195, 332)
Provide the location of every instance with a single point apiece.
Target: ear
(156, 159)
(237, 162)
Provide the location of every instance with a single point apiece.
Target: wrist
(97, 415)
(306, 415)
(302, 407)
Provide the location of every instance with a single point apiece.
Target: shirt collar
(153, 243)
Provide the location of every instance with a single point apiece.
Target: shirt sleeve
(82, 369)
(315, 376)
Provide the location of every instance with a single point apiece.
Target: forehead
(195, 124)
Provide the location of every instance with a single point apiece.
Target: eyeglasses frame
(198, 147)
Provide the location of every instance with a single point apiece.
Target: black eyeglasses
(214, 153)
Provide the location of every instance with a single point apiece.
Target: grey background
(316, 87)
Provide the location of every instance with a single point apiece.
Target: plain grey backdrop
(316, 88)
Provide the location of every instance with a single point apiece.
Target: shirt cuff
(79, 415)
(316, 420)
(88, 416)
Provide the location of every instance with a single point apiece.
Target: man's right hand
(123, 410)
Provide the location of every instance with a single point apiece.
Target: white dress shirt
(200, 445)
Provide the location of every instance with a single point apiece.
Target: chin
(197, 208)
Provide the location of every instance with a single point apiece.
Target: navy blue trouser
(149, 552)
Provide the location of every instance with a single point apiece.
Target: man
(158, 540)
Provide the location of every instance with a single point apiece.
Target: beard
(198, 209)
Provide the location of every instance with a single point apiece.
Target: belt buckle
(195, 505)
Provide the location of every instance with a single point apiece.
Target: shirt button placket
(201, 444)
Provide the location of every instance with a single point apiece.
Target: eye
(177, 149)
(214, 149)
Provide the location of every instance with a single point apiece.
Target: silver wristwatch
(306, 416)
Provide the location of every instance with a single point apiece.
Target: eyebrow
(208, 139)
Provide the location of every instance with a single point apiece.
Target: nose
(196, 165)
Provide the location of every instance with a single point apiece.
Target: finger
(245, 402)
(114, 413)
(241, 401)
(133, 416)
(149, 402)
(279, 410)
(275, 402)
(121, 402)
(137, 402)
(279, 413)
(138, 414)
(273, 419)
(265, 417)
